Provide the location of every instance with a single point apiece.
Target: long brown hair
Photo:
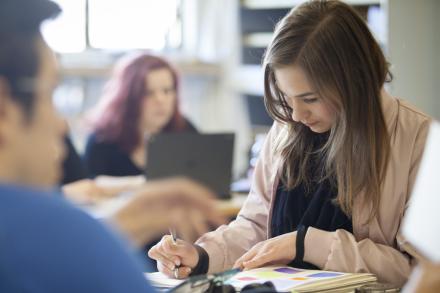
(332, 44)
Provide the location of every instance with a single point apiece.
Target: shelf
(248, 79)
(264, 4)
(257, 39)
(185, 68)
(85, 71)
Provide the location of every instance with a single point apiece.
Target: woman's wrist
(299, 243)
(202, 265)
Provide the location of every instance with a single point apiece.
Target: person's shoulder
(412, 123)
(48, 244)
(24, 208)
(14, 195)
(411, 112)
(401, 116)
(274, 141)
(409, 131)
(189, 126)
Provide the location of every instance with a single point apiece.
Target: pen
(174, 238)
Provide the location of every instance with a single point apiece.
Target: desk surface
(228, 207)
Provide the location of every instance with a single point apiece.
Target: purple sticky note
(325, 275)
(287, 270)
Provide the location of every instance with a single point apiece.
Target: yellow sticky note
(267, 275)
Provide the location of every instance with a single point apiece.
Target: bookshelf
(257, 19)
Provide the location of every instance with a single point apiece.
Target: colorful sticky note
(287, 270)
(267, 275)
(285, 285)
(325, 275)
(299, 278)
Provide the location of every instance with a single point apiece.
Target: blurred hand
(279, 250)
(169, 255)
(430, 278)
(180, 203)
(87, 191)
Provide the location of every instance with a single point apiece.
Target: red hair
(118, 122)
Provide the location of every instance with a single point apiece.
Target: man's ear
(4, 97)
(11, 114)
(5, 94)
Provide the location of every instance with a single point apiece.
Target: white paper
(159, 280)
(421, 225)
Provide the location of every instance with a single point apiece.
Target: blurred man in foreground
(46, 244)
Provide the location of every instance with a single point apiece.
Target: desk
(228, 207)
(123, 188)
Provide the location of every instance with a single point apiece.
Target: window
(133, 24)
(67, 33)
(115, 25)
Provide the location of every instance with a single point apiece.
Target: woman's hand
(277, 250)
(168, 255)
(430, 278)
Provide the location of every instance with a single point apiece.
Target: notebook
(159, 280)
(197, 283)
(300, 280)
(285, 279)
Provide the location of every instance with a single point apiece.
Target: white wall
(215, 105)
(414, 51)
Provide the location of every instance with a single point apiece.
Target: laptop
(206, 158)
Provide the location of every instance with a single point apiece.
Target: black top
(107, 158)
(104, 158)
(312, 207)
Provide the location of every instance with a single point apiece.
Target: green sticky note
(267, 275)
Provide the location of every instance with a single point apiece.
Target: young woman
(141, 99)
(334, 177)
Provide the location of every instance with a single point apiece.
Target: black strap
(300, 235)
(203, 264)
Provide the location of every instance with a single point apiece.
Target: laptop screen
(206, 158)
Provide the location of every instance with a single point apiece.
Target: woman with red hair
(141, 100)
